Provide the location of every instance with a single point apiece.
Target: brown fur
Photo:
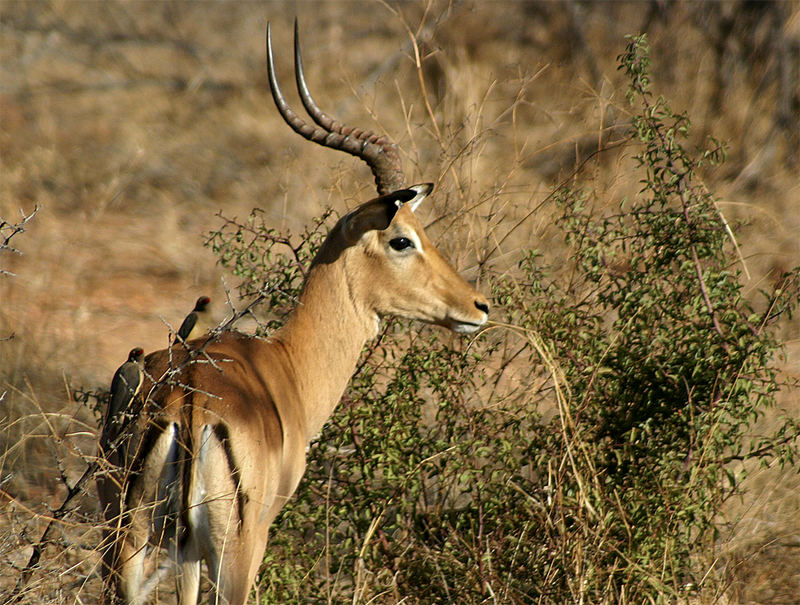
(218, 454)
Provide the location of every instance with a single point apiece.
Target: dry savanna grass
(131, 125)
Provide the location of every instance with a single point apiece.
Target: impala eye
(401, 243)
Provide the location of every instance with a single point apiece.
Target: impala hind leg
(233, 573)
(232, 581)
(129, 571)
(125, 550)
(187, 572)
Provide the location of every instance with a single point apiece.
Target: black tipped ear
(412, 196)
(421, 191)
(377, 214)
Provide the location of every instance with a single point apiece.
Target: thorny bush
(578, 452)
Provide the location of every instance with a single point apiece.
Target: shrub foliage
(578, 451)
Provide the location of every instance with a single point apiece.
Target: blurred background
(130, 126)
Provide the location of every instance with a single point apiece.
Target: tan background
(130, 125)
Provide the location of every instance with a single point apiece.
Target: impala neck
(323, 339)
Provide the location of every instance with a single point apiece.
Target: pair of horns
(378, 152)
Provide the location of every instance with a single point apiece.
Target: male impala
(218, 450)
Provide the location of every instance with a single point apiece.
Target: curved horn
(378, 152)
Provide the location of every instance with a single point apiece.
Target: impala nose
(482, 306)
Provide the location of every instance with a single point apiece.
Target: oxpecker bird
(124, 386)
(196, 323)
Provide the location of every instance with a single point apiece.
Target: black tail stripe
(155, 429)
(187, 460)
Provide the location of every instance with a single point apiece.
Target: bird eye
(401, 243)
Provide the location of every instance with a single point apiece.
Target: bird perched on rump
(196, 322)
(124, 387)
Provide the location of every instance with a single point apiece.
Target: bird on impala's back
(197, 321)
(124, 387)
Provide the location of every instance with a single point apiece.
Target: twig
(682, 191)
(8, 230)
(68, 505)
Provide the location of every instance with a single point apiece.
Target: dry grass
(131, 124)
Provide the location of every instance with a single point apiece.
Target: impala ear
(377, 214)
(421, 191)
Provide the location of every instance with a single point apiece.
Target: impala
(219, 449)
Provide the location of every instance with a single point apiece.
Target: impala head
(400, 271)
(394, 268)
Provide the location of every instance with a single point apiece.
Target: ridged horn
(377, 151)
